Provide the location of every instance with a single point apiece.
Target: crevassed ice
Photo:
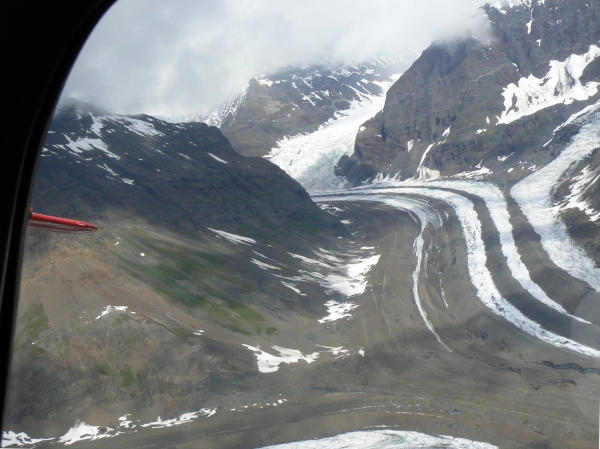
(560, 85)
(310, 159)
(581, 186)
(544, 216)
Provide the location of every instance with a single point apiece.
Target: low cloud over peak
(188, 56)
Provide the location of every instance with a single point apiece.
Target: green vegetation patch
(127, 376)
(236, 329)
(268, 330)
(36, 350)
(35, 322)
(177, 267)
(104, 369)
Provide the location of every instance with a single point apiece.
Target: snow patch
(293, 287)
(10, 438)
(217, 158)
(234, 238)
(268, 363)
(109, 309)
(86, 144)
(82, 431)
(185, 418)
(337, 311)
(264, 266)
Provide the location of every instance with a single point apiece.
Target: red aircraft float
(57, 224)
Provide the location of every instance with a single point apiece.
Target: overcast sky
(188, 56)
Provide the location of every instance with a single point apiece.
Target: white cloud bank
(182, 56)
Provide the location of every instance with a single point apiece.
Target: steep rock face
(182, 177)
(467, 103)
(297, 101)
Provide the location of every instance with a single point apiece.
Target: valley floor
(434, 360)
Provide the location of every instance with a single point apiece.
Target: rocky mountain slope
(152, 310)
(475, 102)
(179, 176)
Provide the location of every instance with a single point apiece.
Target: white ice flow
(268, 363)
(560, 85)
(482, 278)
(310, 158)
(234, 238)
(386, 439)
(496, 205)
(543, 214)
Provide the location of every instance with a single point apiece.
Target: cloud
(187, 56)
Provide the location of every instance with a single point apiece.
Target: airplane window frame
(41, 42)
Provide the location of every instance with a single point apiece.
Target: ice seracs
(560, 85)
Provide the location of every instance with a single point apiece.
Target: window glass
(350, 224)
